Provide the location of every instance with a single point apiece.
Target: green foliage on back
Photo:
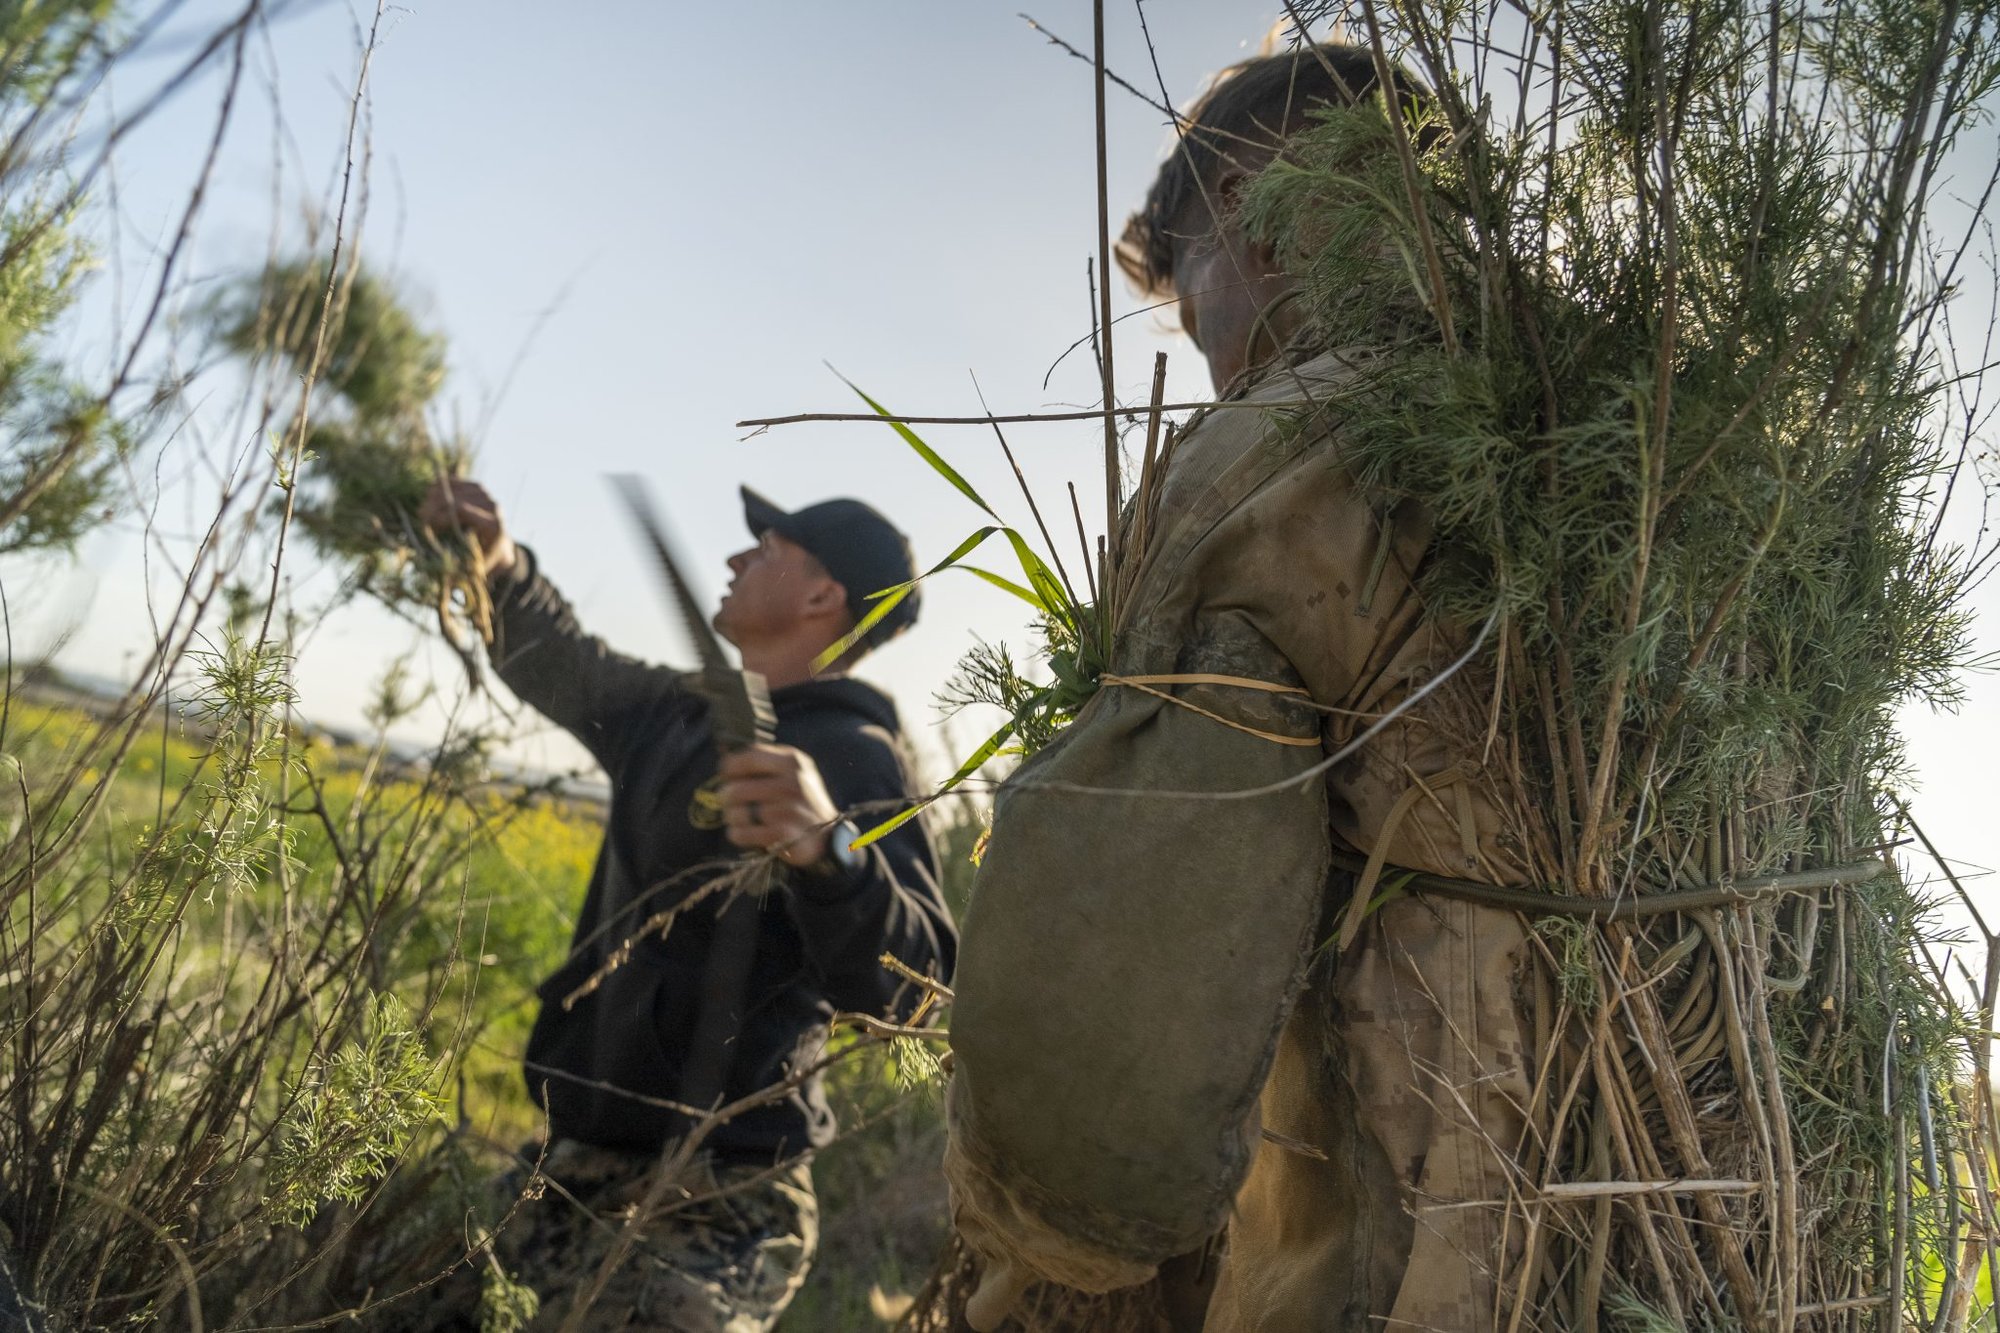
(1679, 425)
(1654, 302)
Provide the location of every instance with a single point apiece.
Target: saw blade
(739, 701)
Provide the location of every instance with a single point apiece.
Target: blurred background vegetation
(263, 989)
(450, 892)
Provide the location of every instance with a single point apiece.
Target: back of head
(1236, 127)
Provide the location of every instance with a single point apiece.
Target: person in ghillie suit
(1176, 1007)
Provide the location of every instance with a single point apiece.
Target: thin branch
(1009, 419)
(1107, 577)
(1102, 71)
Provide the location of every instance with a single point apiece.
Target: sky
(639, 223)
(642, 223)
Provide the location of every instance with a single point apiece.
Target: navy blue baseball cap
(862, 550)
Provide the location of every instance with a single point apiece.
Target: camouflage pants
(725, 1253)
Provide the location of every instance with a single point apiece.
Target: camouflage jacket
(1152, 973)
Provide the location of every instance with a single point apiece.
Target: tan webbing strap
(1144, 684)
(1207, 678)
(1303, 695)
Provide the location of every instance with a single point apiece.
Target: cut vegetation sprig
(1076, 640)
(370, 453)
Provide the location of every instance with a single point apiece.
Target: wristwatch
(842, 858)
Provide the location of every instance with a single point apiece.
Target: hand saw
(739, 701)
(741, 715)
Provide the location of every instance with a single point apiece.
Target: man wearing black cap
(614, 1038)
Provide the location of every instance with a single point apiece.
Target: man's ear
(1229, 198)
(1218, 201)
(1261, 253)
(826, 595)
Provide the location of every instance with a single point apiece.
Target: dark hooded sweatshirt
(594, 1063)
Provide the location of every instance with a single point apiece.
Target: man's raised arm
(570, 677)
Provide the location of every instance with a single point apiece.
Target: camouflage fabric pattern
(1404, 1064)
(726, 1253)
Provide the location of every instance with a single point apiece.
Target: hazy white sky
(649, 220)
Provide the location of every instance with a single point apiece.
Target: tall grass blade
(887, 599)
(995, 744)
(924, 451)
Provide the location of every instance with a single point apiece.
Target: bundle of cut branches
(1669, 287)
(370, 373)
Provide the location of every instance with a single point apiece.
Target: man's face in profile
(773, 586)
